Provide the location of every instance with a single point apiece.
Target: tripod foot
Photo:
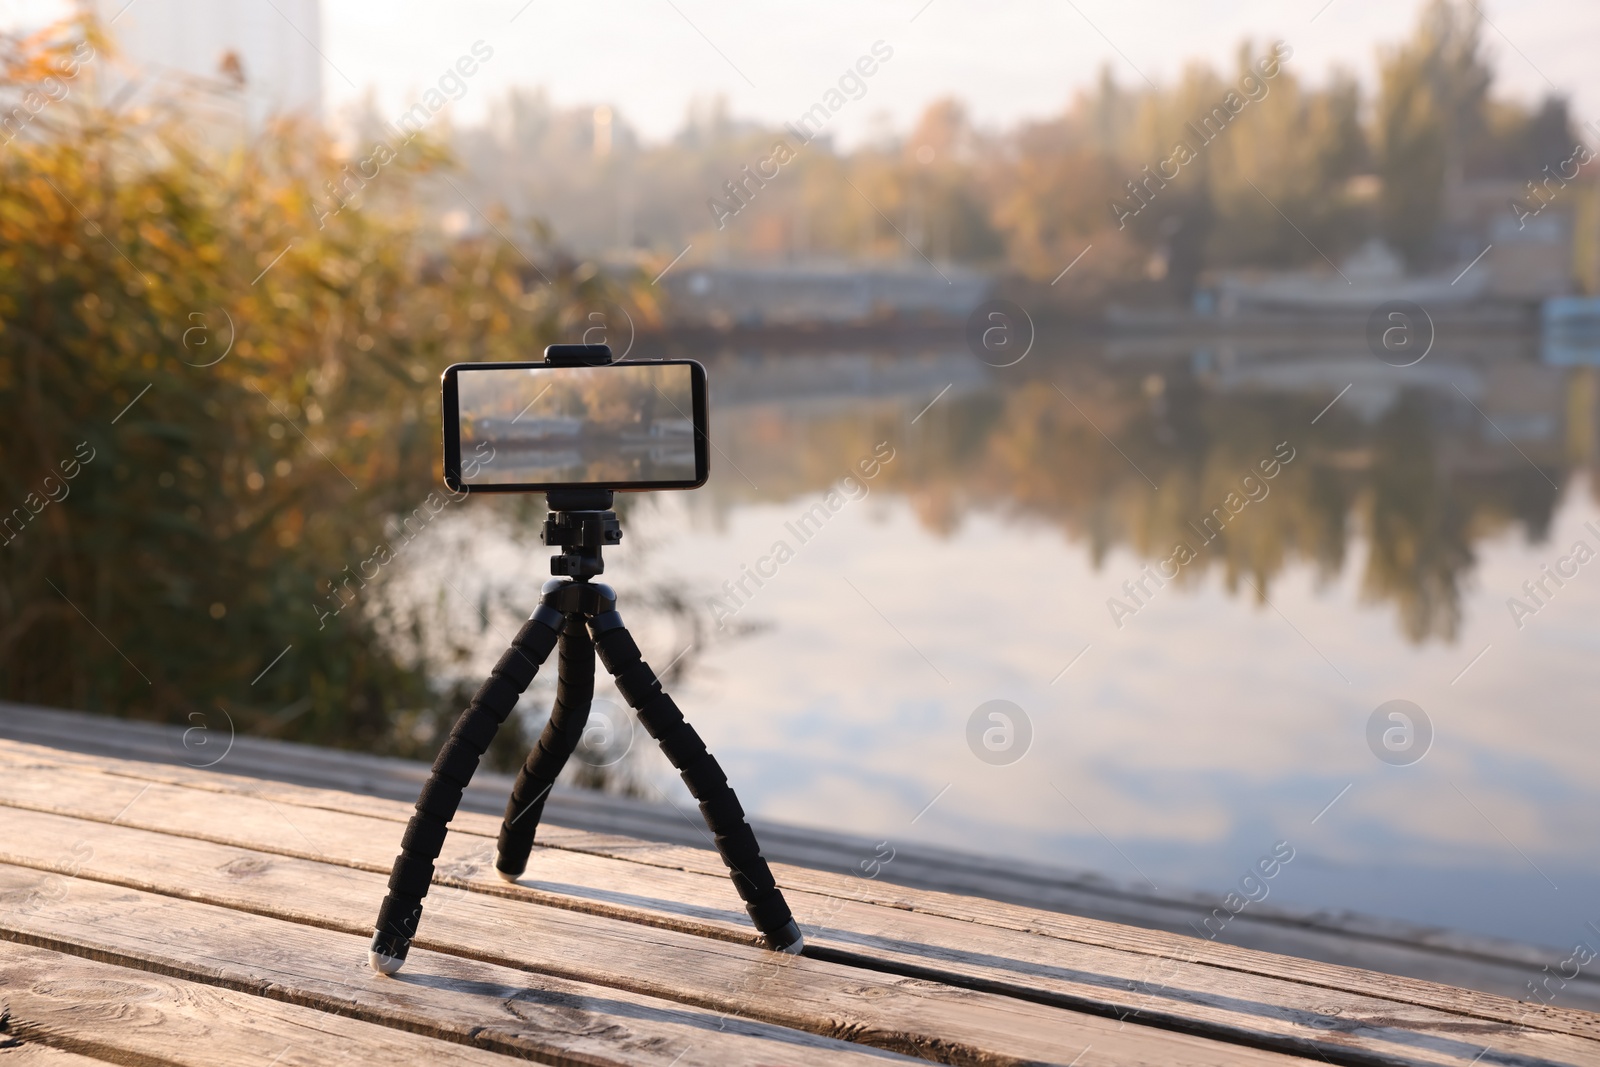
(384, 965)
(507, 876)
(787, 939)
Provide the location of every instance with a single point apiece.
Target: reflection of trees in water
(1421, 485)
(1045, 457)
(607, 401)
(1417, 525)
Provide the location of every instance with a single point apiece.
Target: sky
(1009, 61)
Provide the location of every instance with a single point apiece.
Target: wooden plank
(1175, 985)
(442, 996)
(1489, 964)
(122, 1015)
(15, 1053)
(905, 1015)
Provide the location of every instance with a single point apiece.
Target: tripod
(582, 617)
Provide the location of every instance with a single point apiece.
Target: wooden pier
(153, 913)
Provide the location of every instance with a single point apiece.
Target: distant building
(1532, 254)
(265, 51)
(790, 295)
(1370, 276)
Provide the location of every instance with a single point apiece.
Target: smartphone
(532, 427)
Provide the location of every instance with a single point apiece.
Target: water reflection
(1154, 455)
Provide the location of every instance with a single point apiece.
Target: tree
(1433, 94)
(222, 419)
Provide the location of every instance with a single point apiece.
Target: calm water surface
(1048, 535)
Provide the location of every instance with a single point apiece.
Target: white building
(269, 50)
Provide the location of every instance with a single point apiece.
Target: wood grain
(443, 996)
(1171, 986)
(128, 1016)
(195, 888)
(1393, 949)
(621, 823)
(14, 1053)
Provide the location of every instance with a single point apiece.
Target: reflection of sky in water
(1206, 728)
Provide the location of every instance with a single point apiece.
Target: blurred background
(1198, 379)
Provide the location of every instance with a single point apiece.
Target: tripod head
(581, 522)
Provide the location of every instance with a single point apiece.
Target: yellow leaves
(158, 238)
(58, 50)
(339, 270)
(47, 200)
(278, 487)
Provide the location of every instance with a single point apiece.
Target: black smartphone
(532, 427)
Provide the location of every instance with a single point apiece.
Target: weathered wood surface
(619, 951)
(17, 1053)
(451, 998)
(123, 1014)
(855, 919)
(622, 825)
(216, 883)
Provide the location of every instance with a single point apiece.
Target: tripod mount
(581, 617)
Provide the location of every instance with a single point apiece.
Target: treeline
(1251, 166)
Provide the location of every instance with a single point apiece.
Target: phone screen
(533, 426)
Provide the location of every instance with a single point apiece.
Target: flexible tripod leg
(574, 694)
(452, 770)
(752, 878)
